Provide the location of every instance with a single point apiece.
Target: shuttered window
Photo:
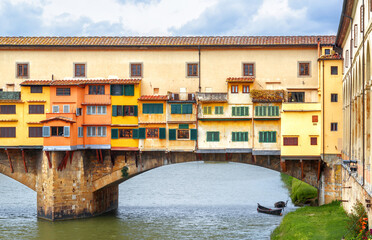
(240, 111)
(142, 133)
(290, 141)
(36, 89)
(7, 132)
(35, 132)
(96, 90)
(315, 118)
(313, 141)
(267, 137)
(36, 109)
(117, 90)
(152, 132)
(152, 108)
(207, 110)
(193, 134)
(162, 134)
(135, 134)
(80, 132)
(172, 134)
(63, 92)
(218, 110)
(46, 131)
(66, 108)
(7, 109)
(213, 136)
(128, 90)
(270, 111)
(181, 109)
(239, 136)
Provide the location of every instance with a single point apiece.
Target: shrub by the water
(301, 192)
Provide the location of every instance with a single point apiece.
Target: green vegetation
(124, 172)
(357, 226)
(301, 192)
(324, 222)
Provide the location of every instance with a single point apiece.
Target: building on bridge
(143, 102)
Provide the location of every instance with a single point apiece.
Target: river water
(183, 201)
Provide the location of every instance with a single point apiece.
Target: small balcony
(10, 95)
(212, 97)
(97, 99)
(267, 96)
(181, 97)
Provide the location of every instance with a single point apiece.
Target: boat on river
(280, 204)
(272, 211)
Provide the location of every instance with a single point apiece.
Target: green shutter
(114, 133)
(209, 136)
(121, 111)
(135, 109)
(217, 136)
(172, 134)
(260, 137)
(135, 133)
(269, 111)
(162, 134)
(209, 110)
(152, 108)
(128, 90)
(186, 108)
(183, 126)
(274, 137)
(246, 136)
(205, 110)
(277, 111)
(234, 111)
(175, 108)
(256, 111)
(142, 133)
(246, 111)
(193, 134)
(233, 137)
(114, 110)
(264, 110)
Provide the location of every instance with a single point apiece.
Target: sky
(169, 17)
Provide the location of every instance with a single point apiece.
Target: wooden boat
(280, 204)
(272, 211)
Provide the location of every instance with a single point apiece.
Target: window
(125, 133)
(290, 141)
(213, 136)
(22, 70)
(35, 132)
(36, 109)
(80, 70)
(334, 127)
(248, 69)
(36, 89)
(207, 110)
(66, 108)
(128, 110)
(55, 109)
(128, 90)
(239, 136)
(245, 89)
(152, 132)
(313, 141)
(327, 51)
(80, 132)
(362, 17)
(183, 134)
(266, 111)
(118, 110)
(152, 108)
(101, 131)
(79, 111)
(267, 137)
(7, 109)
(296, 97)
(91, 110)
(7, 132)
(334, 97)
(315, 118)
(136, 70)
(91, 131)
(334, 70)
(181, 109)
(304, 69)
(101, 110)
(347, 58)
(63, 92)
(192, 70)
(117, 90)
(234, 89)
(96, 110)
(218, 110)
(356, 35)
(97, 90)
(57, 131)
(240, 111)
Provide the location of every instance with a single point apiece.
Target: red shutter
(290, 141)
(315, 118)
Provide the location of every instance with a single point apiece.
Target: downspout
(323, 96)
(363, 98)
(199, 69)
(351, 85)
(197, 106)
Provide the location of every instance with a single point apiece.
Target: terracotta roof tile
(58, 118)
(10, 101)
(65, 82)
(8, 120)
(240, 79)
(153, 98)
(163, 41)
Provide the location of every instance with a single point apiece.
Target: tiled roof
(163, 41)
(10, 101)
(79, 82)
(58, 118)
(153, 98)
(240, 79)
(8, 120)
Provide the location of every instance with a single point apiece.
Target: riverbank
(324, 222)
(301, 193)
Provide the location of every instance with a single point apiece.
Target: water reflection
(182, 201)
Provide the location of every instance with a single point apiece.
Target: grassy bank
(323, 222)
(301, 192)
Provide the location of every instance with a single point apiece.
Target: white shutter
(55, 109)
(66, 108)
(46, 131)
(66, 131)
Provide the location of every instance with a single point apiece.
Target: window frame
(96, 90)
(155, 135)
(39, 89)
(299, 93)
(80, 75)
(58, 128)
(312, 142)
(135, 74)
(63, 91)
(22, 75)
(9, 130)
(36, 108)
(9, 109)
(334, 97)
(123, 130)
(80, 132)
(333, 71)
(37, 130)
(183, 130)
(290, 141)
(334, 126)
(253, 69)
(234, 89)
(245, 89)
(192, 64)
(299, 73)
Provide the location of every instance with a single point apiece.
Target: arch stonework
(84, 185)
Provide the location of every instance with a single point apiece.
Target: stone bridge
(81, 184)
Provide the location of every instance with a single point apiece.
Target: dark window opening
(97, 90)
(35, 132)
(79, 70)
(36, 109)
(136, 70)
(192, 69)
(334, 97)
(296, 96)
(183, 134)
(304, 69)
(57, 131)
(152, 132)
(248, 69)
(125, 133)
(334, 70)
(36, 89)
(63, 92)
(22, 70)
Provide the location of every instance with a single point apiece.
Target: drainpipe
(323, 96)
(199, 70)
(351, 85)
(363, 98)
